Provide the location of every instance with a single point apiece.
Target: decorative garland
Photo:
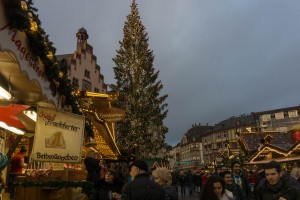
(22, 16)
(86, 186)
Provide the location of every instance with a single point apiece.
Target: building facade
(83, 70)
(189, 153)
(224, 138)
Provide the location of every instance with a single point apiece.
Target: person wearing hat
(141, 187)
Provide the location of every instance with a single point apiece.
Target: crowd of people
(139, 184)
(271, 183)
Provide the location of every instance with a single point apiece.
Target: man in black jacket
(142, 187)
(274, 186)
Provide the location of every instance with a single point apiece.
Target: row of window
(215, 146)
(85, 85)
(219, 136)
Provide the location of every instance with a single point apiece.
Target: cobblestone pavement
(188, 196)
(193, 196)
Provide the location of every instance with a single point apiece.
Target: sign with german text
(112, 114)
(58, 136)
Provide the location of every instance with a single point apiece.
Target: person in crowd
(163, 177)
(260, 176)
(204, 178)
(252, 180)
(182, 182)
(92, 165)
(240, 179)
(17, 164)
(111, 187)
(190, 180)
(295, 173)
(288, 178)
(274, 186)
(174, 179)
(231, 186)
(141, 187)
(214, 189)
(197, 180)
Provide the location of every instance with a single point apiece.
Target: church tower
(82, 37)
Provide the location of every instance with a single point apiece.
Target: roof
(195, 133)
(277, 110)
(234, 122)
(252, 141)
(270, 152)
(82, 30)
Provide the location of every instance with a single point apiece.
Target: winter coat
(197, 179)
(142, 188)
(236, 190)
(182, 180)
(227, 195)
(171, 192)
(93, 168)
(283, 189)
(106, 189)
(245, 186)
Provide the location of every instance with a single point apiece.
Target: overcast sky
(217, 58)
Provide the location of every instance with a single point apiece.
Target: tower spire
(82, 37)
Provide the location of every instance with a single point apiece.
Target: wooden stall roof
(104, 136)
(280, 153)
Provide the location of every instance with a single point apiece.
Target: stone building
(223, 137)
(83, 70)
(189, 153)
(236, 137)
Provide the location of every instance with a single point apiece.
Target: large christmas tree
(142, 132)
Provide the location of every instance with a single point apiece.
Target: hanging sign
(58, 136)
(112, 114)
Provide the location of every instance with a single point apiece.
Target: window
(96, 90)
(87, 73)
(86, 86)
(219, 135)
(75, 82)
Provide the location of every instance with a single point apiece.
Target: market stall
(39, 112)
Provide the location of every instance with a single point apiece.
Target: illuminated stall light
(31, 114)
(4, 94)
(24, 5)
(11, 129)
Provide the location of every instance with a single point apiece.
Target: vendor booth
(39, 113)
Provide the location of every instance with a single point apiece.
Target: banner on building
(58, 136)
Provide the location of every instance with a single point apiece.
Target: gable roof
(252, 141)
(280, 153)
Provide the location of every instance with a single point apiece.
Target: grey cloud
(216, 58)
